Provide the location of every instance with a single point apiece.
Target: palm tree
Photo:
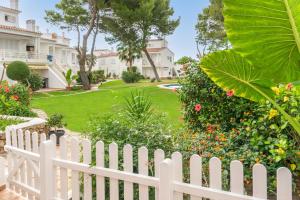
(129, 53)
(69, 78)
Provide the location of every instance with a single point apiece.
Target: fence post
(2, 174)
(47, 170)
(166, 177)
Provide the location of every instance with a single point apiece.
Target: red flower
(289, 86)
(6, 89)
(210, 129)
(230, 93)
(198, 107)
(15, 97)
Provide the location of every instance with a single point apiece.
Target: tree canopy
(137, 22)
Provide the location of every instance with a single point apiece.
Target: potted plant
(55, 124)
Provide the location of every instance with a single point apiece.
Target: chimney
(14, 4)
(30, 25)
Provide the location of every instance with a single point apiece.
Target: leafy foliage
(211, 34)
(267, 33)
(15, 100)
(97, 76)
(138, 106)
(34, 81)
(272, 50)
(185, 60)
(69, 77)
(55, 121)
(17, 71)
(131, 76)
(134, 23)
(231, 127)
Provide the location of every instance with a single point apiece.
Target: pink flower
(289, 86)
(174, 90)
(198, 107)
(230, 93)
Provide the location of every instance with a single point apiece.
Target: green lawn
(79, 106)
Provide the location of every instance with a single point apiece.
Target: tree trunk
(84, 75)
(152, 65)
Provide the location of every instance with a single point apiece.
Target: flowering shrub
(222, 125)
(205, 104)
(14, 100)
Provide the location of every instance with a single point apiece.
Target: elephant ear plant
(265, 36)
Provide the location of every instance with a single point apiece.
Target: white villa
(47, 54)
(163, 57)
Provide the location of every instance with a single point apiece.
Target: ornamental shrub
(97, 76)
(34, 81)
(17, 71)
(131, 76)
(121, 128)
(218, 108)
(15, 100)
(232, 128)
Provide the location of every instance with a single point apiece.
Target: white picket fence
(40, 170)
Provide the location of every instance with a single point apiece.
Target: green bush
(15, 100)
(124, 128)
(4, 122)
(131, 77)
(55, 121)
(98, 76)
(217, 108)
(17, 71)
(34, 81)
(232, 128)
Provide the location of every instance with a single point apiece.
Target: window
(9, 18)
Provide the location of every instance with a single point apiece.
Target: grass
(78, 107)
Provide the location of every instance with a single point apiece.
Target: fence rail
(40, 170)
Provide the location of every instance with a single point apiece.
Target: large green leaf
(267, 33)
(231, 71)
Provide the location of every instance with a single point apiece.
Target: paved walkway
(41, 114)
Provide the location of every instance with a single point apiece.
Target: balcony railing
(7, 55)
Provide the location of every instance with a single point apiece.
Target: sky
(182, 42)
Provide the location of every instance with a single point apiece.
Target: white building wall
(9, 18)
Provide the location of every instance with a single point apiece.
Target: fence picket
(47, 171)
(143, 169)
(63, 172)
(28, 166)
(284, 184)
(75, 174)
(169, 173)
(10, 159)
(236, 177)
(159, 156)
(215, 173)
(177, 165)
(43, 138)
(100, 163)
(22, 167)
(113, 164)
(15, 144)
(196, 173)
(53, 139)
(87, 190)
(259, 181)
(128, 167)
(35, 149)
(166, 176)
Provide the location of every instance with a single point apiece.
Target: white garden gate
(40, 170)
